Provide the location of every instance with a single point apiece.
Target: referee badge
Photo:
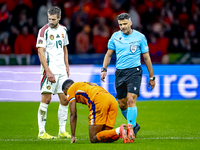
(133, 48)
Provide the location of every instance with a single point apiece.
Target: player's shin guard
(62, 117)
(132, 115)
(42, 114)
(106, 135)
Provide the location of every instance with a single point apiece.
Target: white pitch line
(153, 138)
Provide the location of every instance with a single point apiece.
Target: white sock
(118, 131)
(62, 117)
(42, 115)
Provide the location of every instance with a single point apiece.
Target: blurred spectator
(13, 35)
(159, 44)
(174, 46)
(24, 45)
(83, 40)
(4, 15)
(42, 17)
(5, 48)
(135, 18)
(101, 36)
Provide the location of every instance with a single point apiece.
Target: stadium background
(171, 27)
(168, 115)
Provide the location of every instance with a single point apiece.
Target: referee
(128, 44)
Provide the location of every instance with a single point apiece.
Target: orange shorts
(103, 111)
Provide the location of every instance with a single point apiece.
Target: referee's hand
(152, 84)
(103, 76)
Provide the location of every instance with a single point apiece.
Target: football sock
(42, 114)
(62, 117)
(106, 134)
(118, 131)
(132, 115)
(124, 113)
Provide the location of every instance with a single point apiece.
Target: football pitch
(173, 125)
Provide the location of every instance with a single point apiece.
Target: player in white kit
(52, 44)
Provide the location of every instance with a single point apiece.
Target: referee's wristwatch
(153, 78)
(103, 70)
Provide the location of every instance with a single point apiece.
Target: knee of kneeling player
(94, 139)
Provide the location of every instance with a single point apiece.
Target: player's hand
(152, 84)
(103, 76)
(73, 139)
(50, 77)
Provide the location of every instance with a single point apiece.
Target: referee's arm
(148, 63)
(106, 62)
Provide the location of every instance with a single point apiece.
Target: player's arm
(73, 120)
(148, 63)
(106, 62)
(66, 59)
(43, 61)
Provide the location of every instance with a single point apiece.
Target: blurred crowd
(170, 26)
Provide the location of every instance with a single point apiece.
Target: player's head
(66, 85)
(124, 21)
(54, 16)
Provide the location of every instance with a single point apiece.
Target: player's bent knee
(94, 139)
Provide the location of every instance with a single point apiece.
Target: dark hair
(123, 16)
(54, 11)
(67, 82)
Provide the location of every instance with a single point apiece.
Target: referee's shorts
(128, 81)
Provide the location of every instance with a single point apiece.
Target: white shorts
(54, 88)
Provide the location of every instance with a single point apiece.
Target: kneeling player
(102, 112)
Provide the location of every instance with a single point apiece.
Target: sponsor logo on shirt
(63, 36)
(40, 42)
(51, 37)
(146, 47)
(133, 48)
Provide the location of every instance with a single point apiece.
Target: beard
(53, 25)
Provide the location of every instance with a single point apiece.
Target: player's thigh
(106, 110)
(94, 129)
(47, 86)
(60, 79)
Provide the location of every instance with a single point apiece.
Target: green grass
(164, 125)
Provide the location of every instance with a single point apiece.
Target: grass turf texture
(164, 125)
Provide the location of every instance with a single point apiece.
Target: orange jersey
(84, 92)
(102, 105)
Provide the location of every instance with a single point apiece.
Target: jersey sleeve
(71, 95)
(41, 39)
(65, 40)
(111, 44)
(144, 46)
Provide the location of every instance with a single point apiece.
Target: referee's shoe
(136, 129)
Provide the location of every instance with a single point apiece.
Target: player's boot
(64, 135)
(130, 133)
(46, 136)
(136, 129)
(123, 133)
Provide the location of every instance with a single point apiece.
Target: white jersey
(53, 41)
